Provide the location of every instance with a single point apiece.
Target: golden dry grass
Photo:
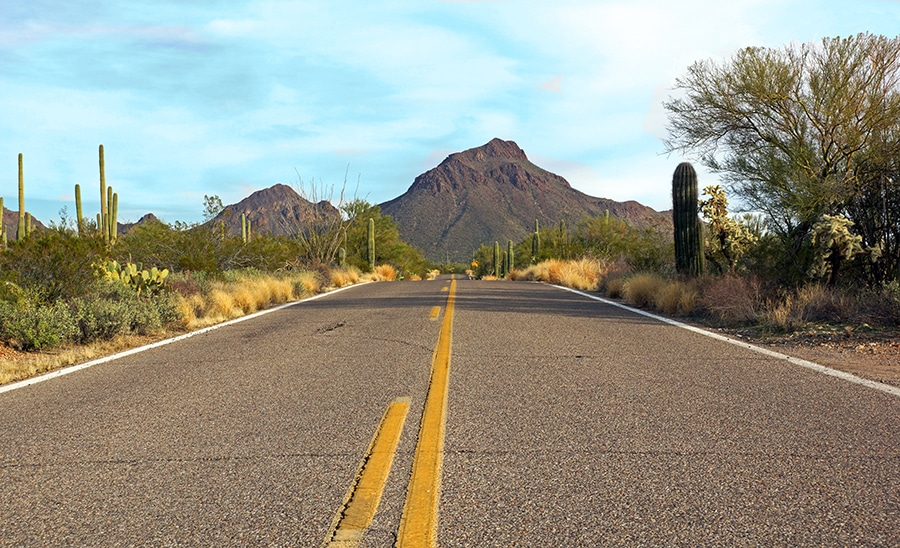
(16, 366)
(382, 273)
(677, 298)
(584, 274)
(641, 290)
(432, 274)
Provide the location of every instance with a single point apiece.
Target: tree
(795, 132)
(212, 205)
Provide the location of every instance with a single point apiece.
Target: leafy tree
(389, 248)
(797, 132)
(212, 206)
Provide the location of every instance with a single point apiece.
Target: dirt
(869, 353)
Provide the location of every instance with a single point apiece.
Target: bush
(29, 325)
(731, 299)
(641, 290)
(677, 298)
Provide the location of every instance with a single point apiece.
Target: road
(563, 421)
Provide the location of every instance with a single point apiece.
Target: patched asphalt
(570, 423)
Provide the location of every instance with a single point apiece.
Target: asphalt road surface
(563, 421)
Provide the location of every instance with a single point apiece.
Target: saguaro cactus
(370, 248)
(509, 257)
(79, 219)
(20, 232)
(497, 265)
(244, 227)
(104, 213)
(114, 219)
(342, 257)
(536, 241)
(688, 228)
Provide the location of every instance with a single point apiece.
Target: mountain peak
(495, 149)
(491, 193)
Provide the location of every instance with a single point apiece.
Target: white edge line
(893, 390)
(73, 368)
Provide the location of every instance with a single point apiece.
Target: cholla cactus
(725, 237)
(833, 243)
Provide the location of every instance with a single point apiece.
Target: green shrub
(32, 326)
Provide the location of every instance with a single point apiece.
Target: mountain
(11, 223)
(277, 210)
(494, 193)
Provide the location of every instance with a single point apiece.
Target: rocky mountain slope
(494, 193)
(277, 210)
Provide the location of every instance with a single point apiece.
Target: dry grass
(641, 290)
(341, 278)
(583, 274)
(432, 274)
(382, 273)
(677, 298)
(16, 366)
(731, 299)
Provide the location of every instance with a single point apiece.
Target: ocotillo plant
(370, 247)
(102, 224)
(20, 232)
(79, 219)
(688, 229)
(497, 266)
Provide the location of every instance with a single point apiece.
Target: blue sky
(225, 97)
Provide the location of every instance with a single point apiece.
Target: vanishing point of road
(451, 413)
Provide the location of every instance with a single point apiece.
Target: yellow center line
(434, 312)
(418, 526)
(361, 501)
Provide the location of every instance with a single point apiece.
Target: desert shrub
(32, 325)
(384, 273)
(677, 298)
(112, 309)
(731, 299)
(613, 286)
(641, 289)
(54, 264)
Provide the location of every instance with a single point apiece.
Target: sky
(225, 97)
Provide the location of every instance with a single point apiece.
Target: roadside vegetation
(806, 139)
(69, 294)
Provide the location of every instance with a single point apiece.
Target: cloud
(554, 85)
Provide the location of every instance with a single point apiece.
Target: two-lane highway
(565, 422)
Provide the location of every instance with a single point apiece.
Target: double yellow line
(418, 525)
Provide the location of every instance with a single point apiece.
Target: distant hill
(11, 223)
(494, 193)
(278, 210)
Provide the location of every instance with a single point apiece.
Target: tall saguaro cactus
(688, 228)
(510, 262)
(370, 247)
(20, 232)
(79, 218)
(498, 266)
(104, 213)
(536, 241)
